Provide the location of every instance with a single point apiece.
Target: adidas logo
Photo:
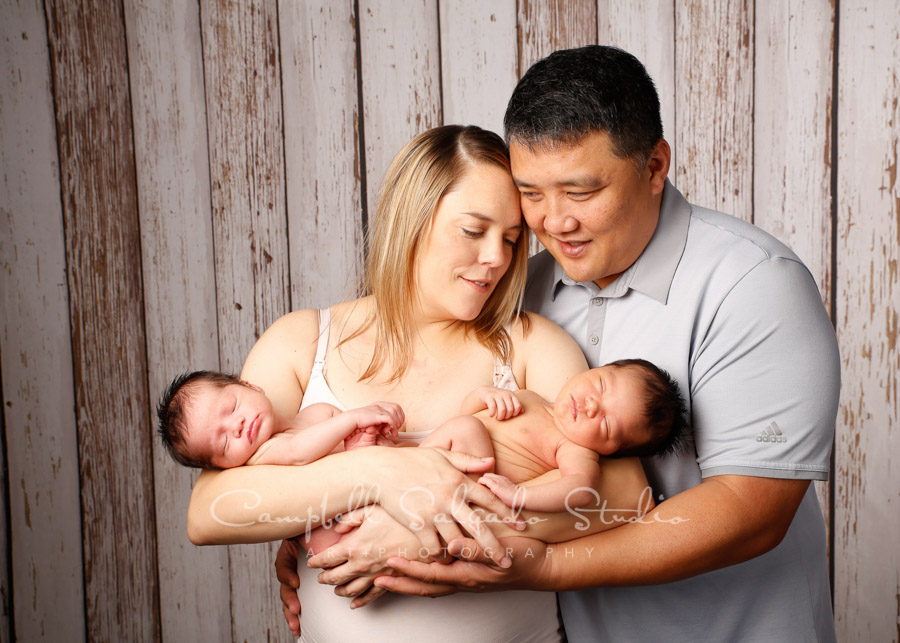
(771, 434)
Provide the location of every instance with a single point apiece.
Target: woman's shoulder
(531, 328)
(544, 355)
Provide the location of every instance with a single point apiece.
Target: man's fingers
(413, 587)
(293, 622)
(286, 563)
(367, 597)
(289, 600)
(469, 550)
(484, 536)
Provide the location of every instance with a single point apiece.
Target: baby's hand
(510, 493)
(501, 404)
(384, 418)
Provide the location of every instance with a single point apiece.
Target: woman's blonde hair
(427, 168)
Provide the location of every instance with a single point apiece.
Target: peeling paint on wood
(171, 151)
(38, 390)
(867, 561)
(714, 104)
(93, 122)
(246, 139)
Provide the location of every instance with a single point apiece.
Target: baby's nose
(590, 407)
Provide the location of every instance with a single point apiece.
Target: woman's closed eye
(472, 234)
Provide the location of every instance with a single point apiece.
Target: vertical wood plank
(93, 120)
(867, 490)
(400, 80)
(646, 28)
(714, 104)
(322, 150)
(792, 137)
(44, 528)
(548, 25)
(171, 153)
(479, 61)
(243, 104)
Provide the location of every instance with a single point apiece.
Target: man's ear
(658, 165)
(253, 386)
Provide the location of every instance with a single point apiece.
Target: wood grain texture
(172, 166)
(243, 105)
(866, 556)
(792, 137)
(646, 28)
(548, 25)
(400, 81)
(93, 121)
(479, 61)
(714, 104)
(44, 530)
(322, 150)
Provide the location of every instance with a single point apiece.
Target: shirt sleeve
(765, 378)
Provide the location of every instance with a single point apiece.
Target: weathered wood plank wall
(161, 208)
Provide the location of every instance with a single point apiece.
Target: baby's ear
(253, 386)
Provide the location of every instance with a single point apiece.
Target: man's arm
(723, 521)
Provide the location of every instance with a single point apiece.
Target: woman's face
(470, 246)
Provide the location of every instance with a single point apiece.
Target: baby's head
(213, 420)
(625, 408)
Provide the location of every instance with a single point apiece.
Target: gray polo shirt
(736, 318)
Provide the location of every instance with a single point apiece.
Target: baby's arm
(579, 470)
(317, 434)
(500, 403)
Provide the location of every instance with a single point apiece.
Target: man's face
(593, 211)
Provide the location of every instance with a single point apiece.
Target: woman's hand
(370, 537)
(426, 490)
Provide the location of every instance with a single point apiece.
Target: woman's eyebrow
(483, 217)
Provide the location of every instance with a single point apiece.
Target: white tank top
(497, 617)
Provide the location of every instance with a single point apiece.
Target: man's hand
(473, 571)
(286, 571)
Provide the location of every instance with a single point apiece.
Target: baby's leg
(465, 434)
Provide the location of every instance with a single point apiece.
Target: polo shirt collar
(654, 270)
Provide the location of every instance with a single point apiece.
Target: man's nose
(557, 219)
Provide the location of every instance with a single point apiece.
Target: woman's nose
(491, 253)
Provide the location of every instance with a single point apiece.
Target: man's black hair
(664, 410)
(575, 92)
(172, 408)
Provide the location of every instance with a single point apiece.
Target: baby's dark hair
(171, 413)
(664, 410)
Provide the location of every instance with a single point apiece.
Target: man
(736, 550)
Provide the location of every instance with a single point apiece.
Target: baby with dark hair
(210, 420)
(625, 408)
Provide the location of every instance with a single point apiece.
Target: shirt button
(594, 340)
(597, 301)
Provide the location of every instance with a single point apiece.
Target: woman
(445, 273)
